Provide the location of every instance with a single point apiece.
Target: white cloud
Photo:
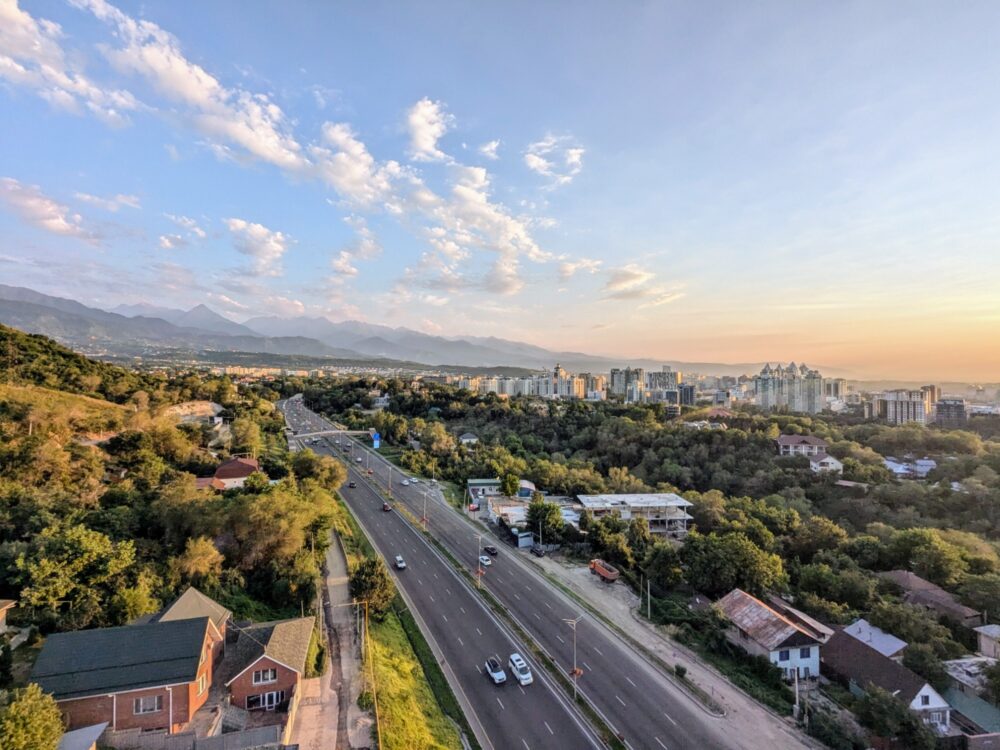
(31, 56)
(110, 204)
(31, 205)
(427, 122)
(283, 306)
(558, 158)
(628, 277)
(252, 122)
(172, 241)
(342, 264)
(631, 281)
(188, 224)
(568, 268)
(349, 168)
(489, 149)
(264, 246)
(430, 326)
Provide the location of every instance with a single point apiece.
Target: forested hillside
(99, 532)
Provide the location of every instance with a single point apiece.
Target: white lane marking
(448, 590)
(548, 727)
(501, 704)
(536, 616)
(548, 605)
(560, 638)
(420, 582)
(432, 598)
(461, 641)
(526, 745)
(445, 617)
(660, 743)
(671, 718)
(435, 575)
(598, 650)
(479, 631)
(589, 669)
(528, 588)
(517, 597)
(631, 683)
(619, 700)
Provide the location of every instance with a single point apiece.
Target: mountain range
(127, 328)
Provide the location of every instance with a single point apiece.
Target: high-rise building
(796, 388)
(835, 387)
(950, 412)
(687, 393)
(630, 383)
(899, 406)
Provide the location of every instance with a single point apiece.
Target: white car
(519, 668)
(485, 561)
(414, 481)
(495, 671)
(358, 459)
(400, 563)
(406, 483)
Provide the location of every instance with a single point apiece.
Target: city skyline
(659, 183)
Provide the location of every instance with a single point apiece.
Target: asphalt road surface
(533, 717)
(638, 702)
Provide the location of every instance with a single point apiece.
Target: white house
(822, 464)
(468, 438)
(761, 630)
(665, 512)
(989, 640)
(800, 445)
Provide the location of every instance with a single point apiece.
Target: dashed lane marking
(548, 727)
(630, 682)
(502, 707)
(560, 638)
(598, 650)
(619, 700)
(479, 631)
(660, 743)
(671, 718)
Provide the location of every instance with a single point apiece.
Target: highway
(644, 707)
(463, 630)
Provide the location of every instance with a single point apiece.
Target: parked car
(386, 506)
(519, 668)
(537, 550)
(485, 561)
(495, 671)
(400, 563)
(489, 549)
(352, 485)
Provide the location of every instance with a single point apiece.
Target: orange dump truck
(608, 573)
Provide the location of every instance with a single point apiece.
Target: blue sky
(732, 182)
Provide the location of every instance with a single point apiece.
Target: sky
(729, 182)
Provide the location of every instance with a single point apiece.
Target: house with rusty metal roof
(759, 629)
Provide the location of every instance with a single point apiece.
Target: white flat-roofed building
(665, 512)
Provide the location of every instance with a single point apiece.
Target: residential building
(885, 643)
(795, 388)
(761, 630)
(687, 393)
(800, 445)
(910, 469)
(193, 604)
(930, 596)
(84, 738)
(275, 657)
(622, 381)
(234, 472)
(665, 512)
(859, 666)
(381, 402)
(147, 677)
(823, 464)
(950, 412)
(835, 388)
(899, 407)
(468, 439)
(988, 640)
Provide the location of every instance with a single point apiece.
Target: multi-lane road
(463, 630)
(645, 708)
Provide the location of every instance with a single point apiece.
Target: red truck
(608, 573)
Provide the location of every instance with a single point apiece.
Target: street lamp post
(576, 670)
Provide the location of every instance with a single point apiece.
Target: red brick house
(193, 604)
(149, 677)
(273, 660)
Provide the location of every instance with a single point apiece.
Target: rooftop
(285, 641)
(969, 670)
(652, 500)
(857, 661)
(191, 604)
(82, 739)
(236, 468)
(800, 440)
(885, 643)
(990, 631)
(760, 622)
(112, 660)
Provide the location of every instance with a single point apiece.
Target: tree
(915, 625)
(639, 536)
(370, 581)
(545, 518)
(31, 721)
(815, 534)
(982, 592)
(717, 564)
(921, 658)
(326, 470)
(200, 563)
(886, 716)
(6, 665)
(247, 437)
(925, 553)
(992, 676)
(662, 566)
(509, 485)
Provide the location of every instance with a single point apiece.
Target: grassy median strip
(416, 705)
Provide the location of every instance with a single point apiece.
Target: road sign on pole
(376, 440)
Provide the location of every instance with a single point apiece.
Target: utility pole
(649, 602)
(576, 671)
(479, 563)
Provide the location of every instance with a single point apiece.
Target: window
(805, 652)
(149, 704)
(925, 700)
(202, 684)
(783, 655)
(266, 701)
(264, 676)
(936, 717)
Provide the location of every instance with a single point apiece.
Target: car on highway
(495, 671)
(519, 668)
(358, 459)
(400, 563)
(386, 507)
(489, 549)
(485, 561)
(405, 482)
(352, 485)
(371, 471)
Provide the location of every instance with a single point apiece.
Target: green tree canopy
(717, 564)
(30, 721)
(371, 582)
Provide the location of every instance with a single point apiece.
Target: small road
(463, 630)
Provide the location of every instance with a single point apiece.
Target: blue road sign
(376, 440)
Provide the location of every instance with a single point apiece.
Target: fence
(258, 738)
